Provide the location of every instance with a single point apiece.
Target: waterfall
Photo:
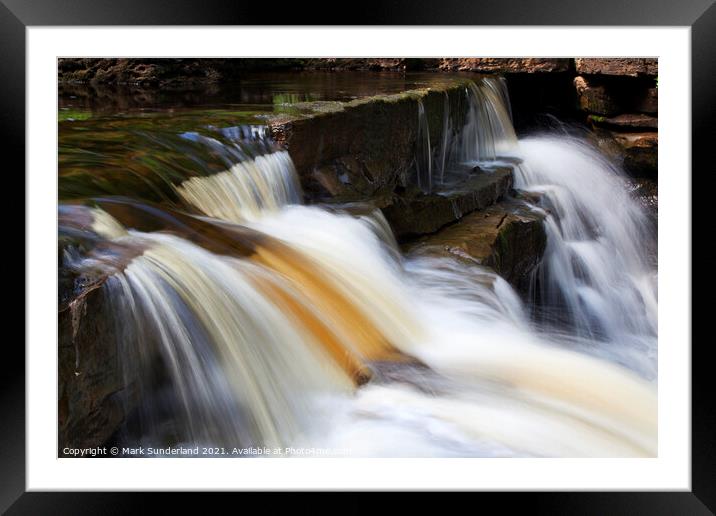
(423, 155)
(241, 366)
(488, 132)
(249, 319)
(246, 190)
(486, 135)
(596, 274)
(445, 140)
(261, 350)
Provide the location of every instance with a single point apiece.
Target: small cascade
(241, 366)
(486, 135)
(488, 132)
(424, 153)
(595, 274)
(245, 191)
(445, 140)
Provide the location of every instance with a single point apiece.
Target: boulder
(641, 152)
(631, 67)
(595, 98)
(508, 237)
(420, 214)
(93, 394)
(636, 152)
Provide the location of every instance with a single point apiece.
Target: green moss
(70, 115)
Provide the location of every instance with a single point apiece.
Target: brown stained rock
(637, 140)
(505, 65)
(423, 214)
(641, 152)
(627, 121)
(508, 237)
(632, 67)
(636, 152)
(595, 98)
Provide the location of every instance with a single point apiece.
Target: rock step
(364, 148)
(421, 214)
(627, 121)
(508, 237)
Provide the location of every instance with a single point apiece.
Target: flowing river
(249, 319)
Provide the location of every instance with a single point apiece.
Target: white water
(595, 270)
(488, 132)
(423, 154)
(247, 190)
(487, 135)
(264, 349)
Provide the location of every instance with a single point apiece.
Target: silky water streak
(320, 333)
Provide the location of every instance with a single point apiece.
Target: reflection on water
(254, 92)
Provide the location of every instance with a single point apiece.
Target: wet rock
(646, 191)
(632, 67)
(595, 98)
(363, 148)
(93, 394)
(627, 121)
(508, 237)
(636, 152)
(506, 65)
(419, 214)
(641, 152)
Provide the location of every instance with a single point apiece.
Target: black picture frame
(700, 15)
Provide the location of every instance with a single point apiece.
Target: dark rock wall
(94, 396)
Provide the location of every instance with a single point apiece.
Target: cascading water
(248, 319)
(596, 274)
(445, 140)
(423, 156)
(486, 136)
(488, 132)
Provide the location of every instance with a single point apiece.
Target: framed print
(384, 256)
